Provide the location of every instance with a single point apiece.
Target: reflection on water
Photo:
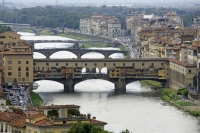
(139, 109)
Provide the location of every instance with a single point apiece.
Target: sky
(99, 1)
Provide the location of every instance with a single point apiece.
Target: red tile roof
(18, 121)
(44, 122)
(181, 63)
(35, 116)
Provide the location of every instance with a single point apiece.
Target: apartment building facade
(101, 25)
(18, 64)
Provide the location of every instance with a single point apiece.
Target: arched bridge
(36, 30)
(119, 71)
(78, 52)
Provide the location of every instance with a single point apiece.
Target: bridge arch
(104, 70)
(37, 55)
(85, 70)
(117, 55)
(96, 83)
(44, 85)
(64, 54)
(90, 54)
(95, 70)
(36, 30)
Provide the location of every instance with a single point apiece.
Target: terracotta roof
(61, 106)
(94, 121)
(18, 121)
(174, 43)
(35, 116)
(44, 122)
(24, 53)
(31, 112)
(7, 116)
(181, 63)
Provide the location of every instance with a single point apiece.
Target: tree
(72, 112)
(53, 112)
(86, 128)
(125, 131)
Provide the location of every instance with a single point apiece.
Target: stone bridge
(78, 52)
(36, 30)
(119, 71)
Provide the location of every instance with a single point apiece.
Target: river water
(138, 110)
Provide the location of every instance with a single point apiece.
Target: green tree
(72, 112)
(125, 131)
(86, 128)
(53, 112)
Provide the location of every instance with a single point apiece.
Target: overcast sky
(92, 1)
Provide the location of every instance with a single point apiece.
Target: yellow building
(8, 38)
(18, 64)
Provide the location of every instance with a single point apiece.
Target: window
(85, 64)
(2, 36)
(19, 62)
(56, 64)
(142, 64)
(152, 64)
(113, 64)
(9, 62)
(27, 79)
(34, 64)
(133, 64)
(47, 64)
(29, 131)
(104, 64)
(38, 68)
(27, 62)
(19, 74)
(23, 79)
(27, 74)
(189, 71)
(19, 68)
(76, 64)
(9, 73)
(161, 64)
(66, 64)
(27, 68)
(42, 68)
(9, 67)
(95, 64)
(123, 64)
(19, 79)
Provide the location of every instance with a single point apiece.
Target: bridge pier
(69, 85)
(37, 33)
(165, 84)
(120, 85)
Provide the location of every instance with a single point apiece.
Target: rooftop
(60, 106)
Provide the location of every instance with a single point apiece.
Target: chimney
(94, 118)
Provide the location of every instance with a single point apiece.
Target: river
(138, 110)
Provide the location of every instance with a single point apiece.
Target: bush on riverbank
(185, 104)
(183, 92)
(169, 94)
(194, 113)
(36, 99)
(152, 83)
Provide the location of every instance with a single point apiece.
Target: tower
(56, 3)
